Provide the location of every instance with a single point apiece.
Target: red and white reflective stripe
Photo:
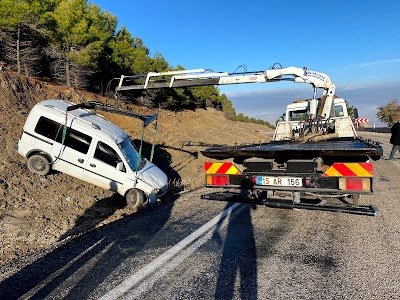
(362, 120)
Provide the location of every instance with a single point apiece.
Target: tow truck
(321, 164)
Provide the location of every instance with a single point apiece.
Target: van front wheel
(135, 198)
(38, 164)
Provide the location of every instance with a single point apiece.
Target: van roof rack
(147, 120)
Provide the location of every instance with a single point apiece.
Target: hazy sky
(356, 43)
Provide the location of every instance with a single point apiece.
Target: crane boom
(188, 78)
(196, 77)
(203, 77)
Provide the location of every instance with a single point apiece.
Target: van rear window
(47, 128)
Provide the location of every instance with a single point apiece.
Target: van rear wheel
(39, 164)
(135, 198)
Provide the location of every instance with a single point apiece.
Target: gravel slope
(36, 212)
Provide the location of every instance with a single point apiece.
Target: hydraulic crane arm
(187, 78)
(202, 77)
(302, 75)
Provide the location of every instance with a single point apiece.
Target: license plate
(279, 181)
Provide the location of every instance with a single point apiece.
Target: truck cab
(299, 110)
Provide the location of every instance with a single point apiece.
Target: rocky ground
(37, 212)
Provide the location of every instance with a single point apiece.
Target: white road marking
(168, 260)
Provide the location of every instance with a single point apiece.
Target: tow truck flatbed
(343, 147)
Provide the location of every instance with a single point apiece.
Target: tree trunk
(18, 50)
(67, 72)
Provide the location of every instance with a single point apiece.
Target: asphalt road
(198, 249)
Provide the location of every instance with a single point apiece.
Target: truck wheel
(38, 164)
(135, 198)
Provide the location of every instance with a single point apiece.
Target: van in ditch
(89, 147)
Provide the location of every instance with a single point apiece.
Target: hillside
(36, 212)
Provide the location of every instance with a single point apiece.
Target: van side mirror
(120, 167)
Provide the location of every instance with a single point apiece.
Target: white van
(92, 149)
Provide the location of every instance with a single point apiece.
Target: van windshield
(131, 155)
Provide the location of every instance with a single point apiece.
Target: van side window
(76, 140)
(47, 128)
(106, 154)
(54, 130)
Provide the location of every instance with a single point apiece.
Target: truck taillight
(217, 179)
(355, 184)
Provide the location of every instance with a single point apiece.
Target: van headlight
(160, 191)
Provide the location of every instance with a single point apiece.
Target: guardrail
(376, 129)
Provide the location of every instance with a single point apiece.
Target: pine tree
(23, 36)
(78, 35)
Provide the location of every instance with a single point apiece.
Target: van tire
(135, 198)
(39, 164)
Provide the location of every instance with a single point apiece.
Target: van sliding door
(71, 157)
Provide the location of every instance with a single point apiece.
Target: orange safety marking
(350, 170)
(221, 168)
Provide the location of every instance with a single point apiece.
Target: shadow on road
(89, 258)
(239, 257)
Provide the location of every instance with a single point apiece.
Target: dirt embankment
(36, 212)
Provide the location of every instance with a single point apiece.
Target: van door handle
(81, 160)
(93, 165)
